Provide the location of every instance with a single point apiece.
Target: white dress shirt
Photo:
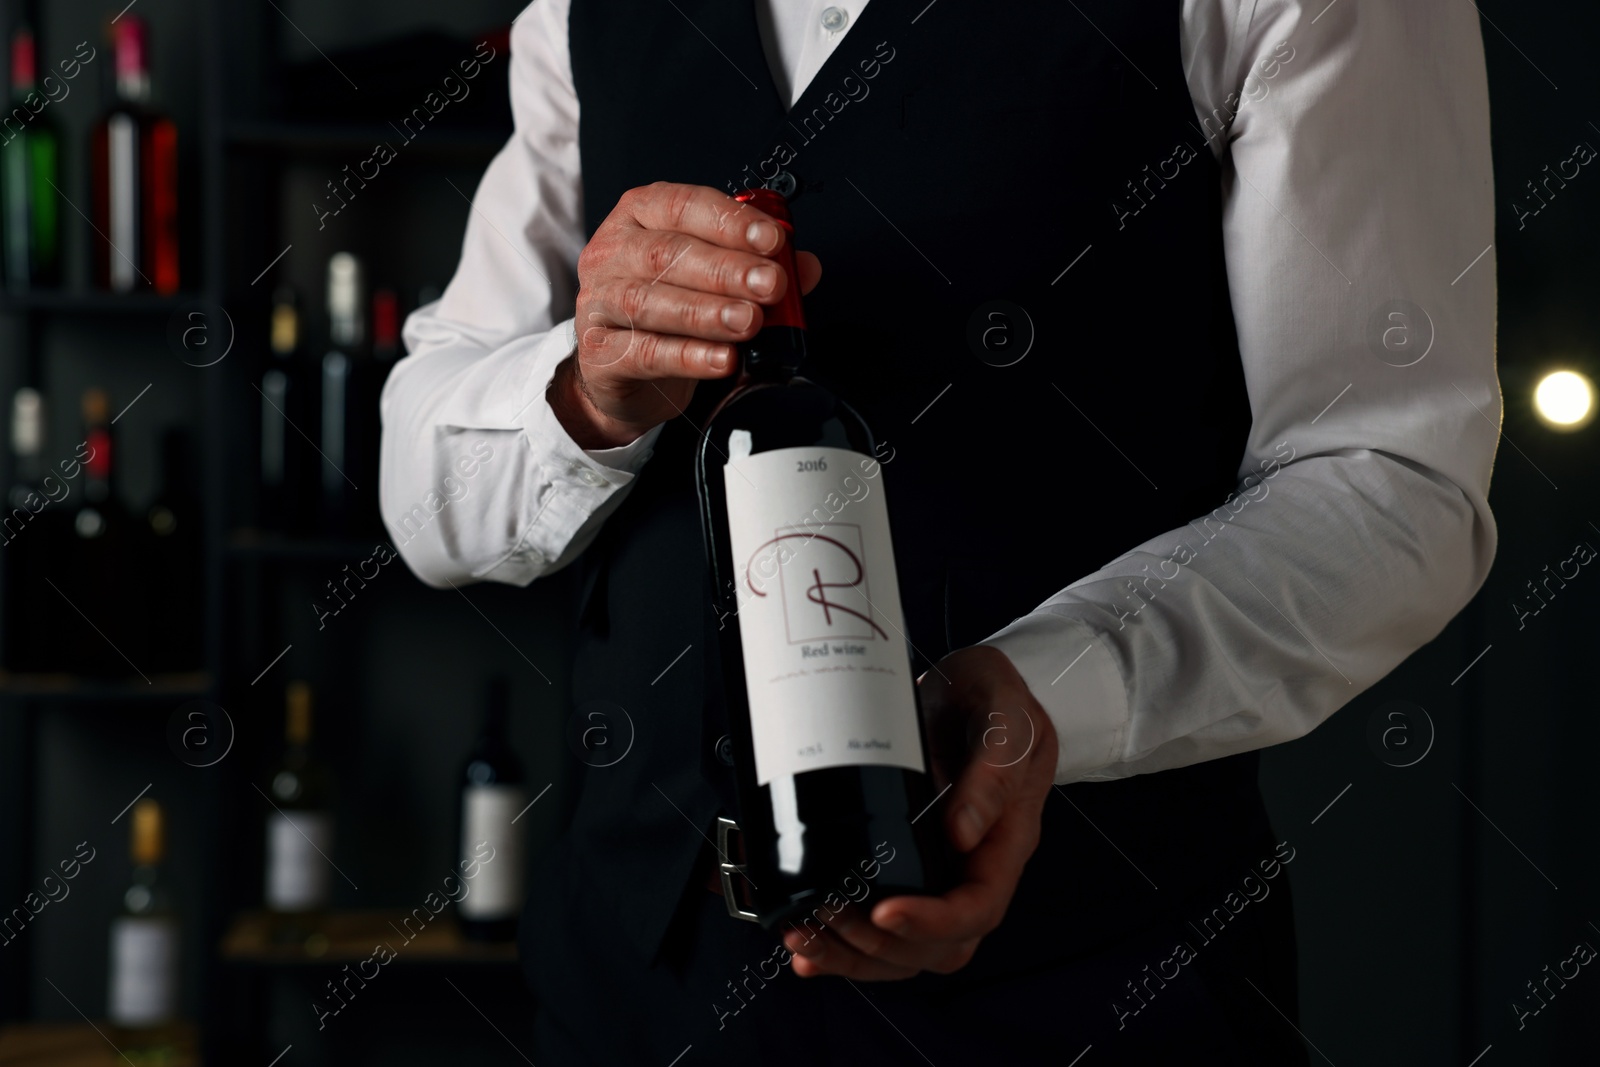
(1355, 175)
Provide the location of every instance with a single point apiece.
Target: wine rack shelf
(81, 1045)
(68, 687)
(349, 936)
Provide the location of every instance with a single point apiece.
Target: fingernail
(738, 317)
(763, 236)
(717, 359)
(762, 279)
(971, 823)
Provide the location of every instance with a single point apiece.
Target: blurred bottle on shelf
(143, 987)
(299, 830)
(29, 176)
(493, 796)
(134, 160)
(97, 575)
(28, 541)
(171, 561)
(288, 411)
(385, 327)
(343, 419)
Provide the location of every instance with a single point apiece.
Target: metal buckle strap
(726, 869)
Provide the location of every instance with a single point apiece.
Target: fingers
(852, 940)
(687, 260)
(975, 907)
(997, 772)
(671, 309)
(810, 270)
(702, 212)
(908, 934)
(653, 355)
(827, 953)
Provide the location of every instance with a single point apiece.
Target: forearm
(1249, 627)
(481, 482)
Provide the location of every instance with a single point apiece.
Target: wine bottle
(288, 411)
(134, 159)
(29, 176)
(172, 556)
(27, 540)
(299, 828)
(830, 763)
(144, 935)
(101, 556)
(492, 796)
(342, 417)
(385, 326)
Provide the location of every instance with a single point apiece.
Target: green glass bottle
(29, 177)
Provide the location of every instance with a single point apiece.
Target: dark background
(1419, 919)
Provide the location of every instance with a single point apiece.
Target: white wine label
(825, 659)
(144, 971)
(486, 814)
(299, 864)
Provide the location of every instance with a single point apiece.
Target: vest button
(725, 750)
(783, 183)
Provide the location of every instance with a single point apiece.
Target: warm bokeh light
(1564, 399)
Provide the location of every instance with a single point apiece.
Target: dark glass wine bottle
(342, 413)
(29, 175)
(143, 979)
(385, 327)
(134, 160)
(101, 557)
(288, 411)
(299, 871)
(830, 759)
(171, 563)
(492, 799)
(28, 541)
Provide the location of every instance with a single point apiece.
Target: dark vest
(945, 160)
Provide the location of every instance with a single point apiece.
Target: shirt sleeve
(1358, 221)
(479, 481)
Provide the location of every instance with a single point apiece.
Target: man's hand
(673, 277)
(987, 727)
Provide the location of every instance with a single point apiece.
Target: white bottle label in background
(825, 659)
(144, 971)
(299, 851)
(486, 814)
(122, 150)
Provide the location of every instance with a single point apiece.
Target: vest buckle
(726, 869)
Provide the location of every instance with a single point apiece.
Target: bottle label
(486, 814)
(826, 665)
(299, 868)
(144, 971)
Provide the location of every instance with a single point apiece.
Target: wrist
(588, 426)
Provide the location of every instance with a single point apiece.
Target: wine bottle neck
(774, 355)
(778, 349)
(97, 469)
(133, 76)
(22, 63)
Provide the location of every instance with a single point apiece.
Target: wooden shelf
(70, 687)
(351, 936)
(78, 1045)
